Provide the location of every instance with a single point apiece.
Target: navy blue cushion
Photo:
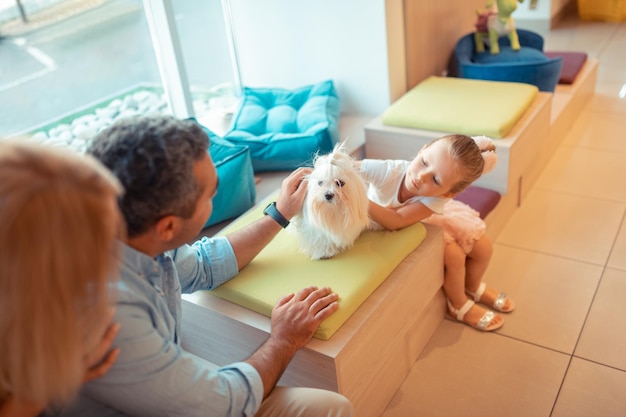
(528, 65)
(236, 191)
(284, 129)
(508, 55)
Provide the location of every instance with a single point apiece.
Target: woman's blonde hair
(58, 253)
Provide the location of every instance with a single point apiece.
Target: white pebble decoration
(77, 134)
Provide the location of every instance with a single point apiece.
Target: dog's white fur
(335, 207)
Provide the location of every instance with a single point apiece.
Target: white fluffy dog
(335, 208)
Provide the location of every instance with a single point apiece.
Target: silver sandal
(485, 322)
(498, 303)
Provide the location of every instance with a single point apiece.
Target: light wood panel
(431, 30)
(396, 55)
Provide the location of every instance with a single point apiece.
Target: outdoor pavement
(38, 14)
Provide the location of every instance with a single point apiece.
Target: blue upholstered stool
(285, 128)
(528, 65)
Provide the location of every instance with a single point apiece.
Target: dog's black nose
(329, 196)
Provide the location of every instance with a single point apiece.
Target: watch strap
(273, 212)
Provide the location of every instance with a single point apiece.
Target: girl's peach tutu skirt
(461, 224)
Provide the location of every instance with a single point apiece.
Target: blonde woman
(59, 223)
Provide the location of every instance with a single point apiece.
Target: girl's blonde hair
(58, 253)
(469, 158)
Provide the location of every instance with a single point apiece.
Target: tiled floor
(562, 256)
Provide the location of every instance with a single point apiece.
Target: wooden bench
(370, 355)
(366, 359)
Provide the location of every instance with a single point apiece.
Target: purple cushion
(480, 199)
(572, 63)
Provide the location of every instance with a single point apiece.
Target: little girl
(404, 192)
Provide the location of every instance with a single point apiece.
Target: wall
(289, 44)
(543, 11)
(374, 50)
(545, 16)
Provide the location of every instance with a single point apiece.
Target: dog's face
(336, 196)
(335, 208)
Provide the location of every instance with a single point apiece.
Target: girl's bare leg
(454, 274)
(476, 265)
(454, 280)
(477, 262)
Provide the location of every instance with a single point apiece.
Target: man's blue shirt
(153, 375)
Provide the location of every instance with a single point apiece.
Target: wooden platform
(522, 155)
(516, 153)
(366, 359)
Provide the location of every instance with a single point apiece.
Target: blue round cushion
(508, 55)
(527, 65)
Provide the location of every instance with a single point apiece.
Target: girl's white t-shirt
(384, 178)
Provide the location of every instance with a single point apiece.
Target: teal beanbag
(285, 128)
(236, 191)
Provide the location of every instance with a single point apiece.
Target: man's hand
(295, 318)
(292, 193)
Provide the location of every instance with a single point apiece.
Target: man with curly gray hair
(169, 180)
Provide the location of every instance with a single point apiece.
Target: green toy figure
(495, 24)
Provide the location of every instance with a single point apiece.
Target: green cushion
(458, 105)
(281, 269)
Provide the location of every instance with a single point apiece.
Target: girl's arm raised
(394, 219)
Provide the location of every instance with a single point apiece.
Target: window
(72, 57)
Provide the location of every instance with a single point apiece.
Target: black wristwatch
(273, 212)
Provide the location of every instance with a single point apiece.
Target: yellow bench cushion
(281, 269)
(459, 105)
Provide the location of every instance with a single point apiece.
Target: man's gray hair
(153, 158)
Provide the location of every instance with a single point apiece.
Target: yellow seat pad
(280, 269)
(459, 105)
